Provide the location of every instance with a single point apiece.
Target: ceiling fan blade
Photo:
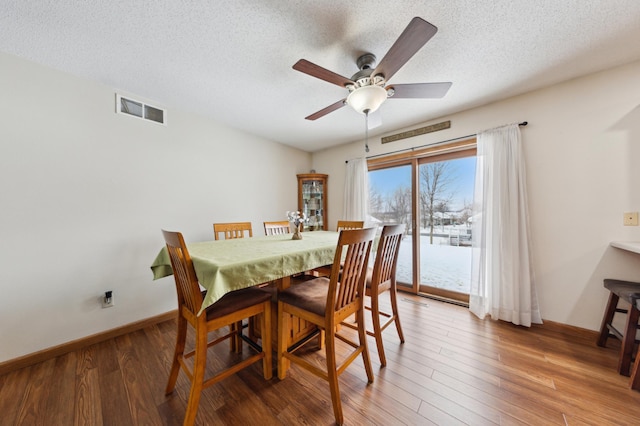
(419, 90)
(322, 73)
(327, 110)
(416, 35)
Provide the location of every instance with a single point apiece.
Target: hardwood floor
(453, 369)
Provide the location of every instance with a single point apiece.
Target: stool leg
(628, 341)
(608, 317)
(634, 383)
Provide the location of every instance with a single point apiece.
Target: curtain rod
(524, 123)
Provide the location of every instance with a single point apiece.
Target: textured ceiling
(232, 60)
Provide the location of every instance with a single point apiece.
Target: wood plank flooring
(453, 370)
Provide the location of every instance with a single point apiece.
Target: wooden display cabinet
(312, 200)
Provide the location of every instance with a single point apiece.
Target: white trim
(627, 245)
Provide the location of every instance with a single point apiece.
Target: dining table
(222, 266)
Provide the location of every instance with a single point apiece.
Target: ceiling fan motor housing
(367, 64)
(366, 61)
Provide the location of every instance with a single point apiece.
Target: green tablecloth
(226, 265)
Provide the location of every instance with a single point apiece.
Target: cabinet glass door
(312, 204)
(312, 200)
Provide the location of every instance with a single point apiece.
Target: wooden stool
(634, 383)
(630, 292)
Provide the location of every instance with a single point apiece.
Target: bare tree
(399, 205)
(466, 212)
(376, 203)
(442, 207)
(436, 180)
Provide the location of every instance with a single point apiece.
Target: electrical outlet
(107, 299)
(630, 219)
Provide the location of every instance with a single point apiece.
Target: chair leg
(177, 354)
(608, 317)
(377, 330)
(267, 367)
(199, 366)
(394, 306)
(237, 338)
(332, 374)
(628, 341)
(362, 336)
(283, 325)
(634, 382)
(233, 341)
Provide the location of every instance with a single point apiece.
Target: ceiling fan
(368, 87)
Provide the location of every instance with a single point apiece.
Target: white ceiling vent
(140, 109)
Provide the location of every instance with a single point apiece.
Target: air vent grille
(133, 108)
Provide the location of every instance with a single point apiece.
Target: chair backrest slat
(384, 268)
(356, 245)
(187, 287)
(232, 230)
(277, 228)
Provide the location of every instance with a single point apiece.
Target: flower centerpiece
(295, 220)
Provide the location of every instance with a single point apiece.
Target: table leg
(283, 283)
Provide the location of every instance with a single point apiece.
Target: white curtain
(356, 190)
(502, 284)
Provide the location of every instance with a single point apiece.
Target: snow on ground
(441, 264)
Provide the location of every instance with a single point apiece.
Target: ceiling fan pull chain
(366, 130)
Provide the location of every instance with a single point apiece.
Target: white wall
(84, 193)
(582, 148)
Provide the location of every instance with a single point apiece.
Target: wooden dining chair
(228, 310)
(232, 230)
(324, 271)
(326, 302)
(380, 279)
(349, 224)
(277, 228)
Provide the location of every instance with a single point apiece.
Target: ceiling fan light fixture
(367, 98)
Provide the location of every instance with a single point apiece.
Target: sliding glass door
(445, 188)
(390, 202)
(432, 196)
